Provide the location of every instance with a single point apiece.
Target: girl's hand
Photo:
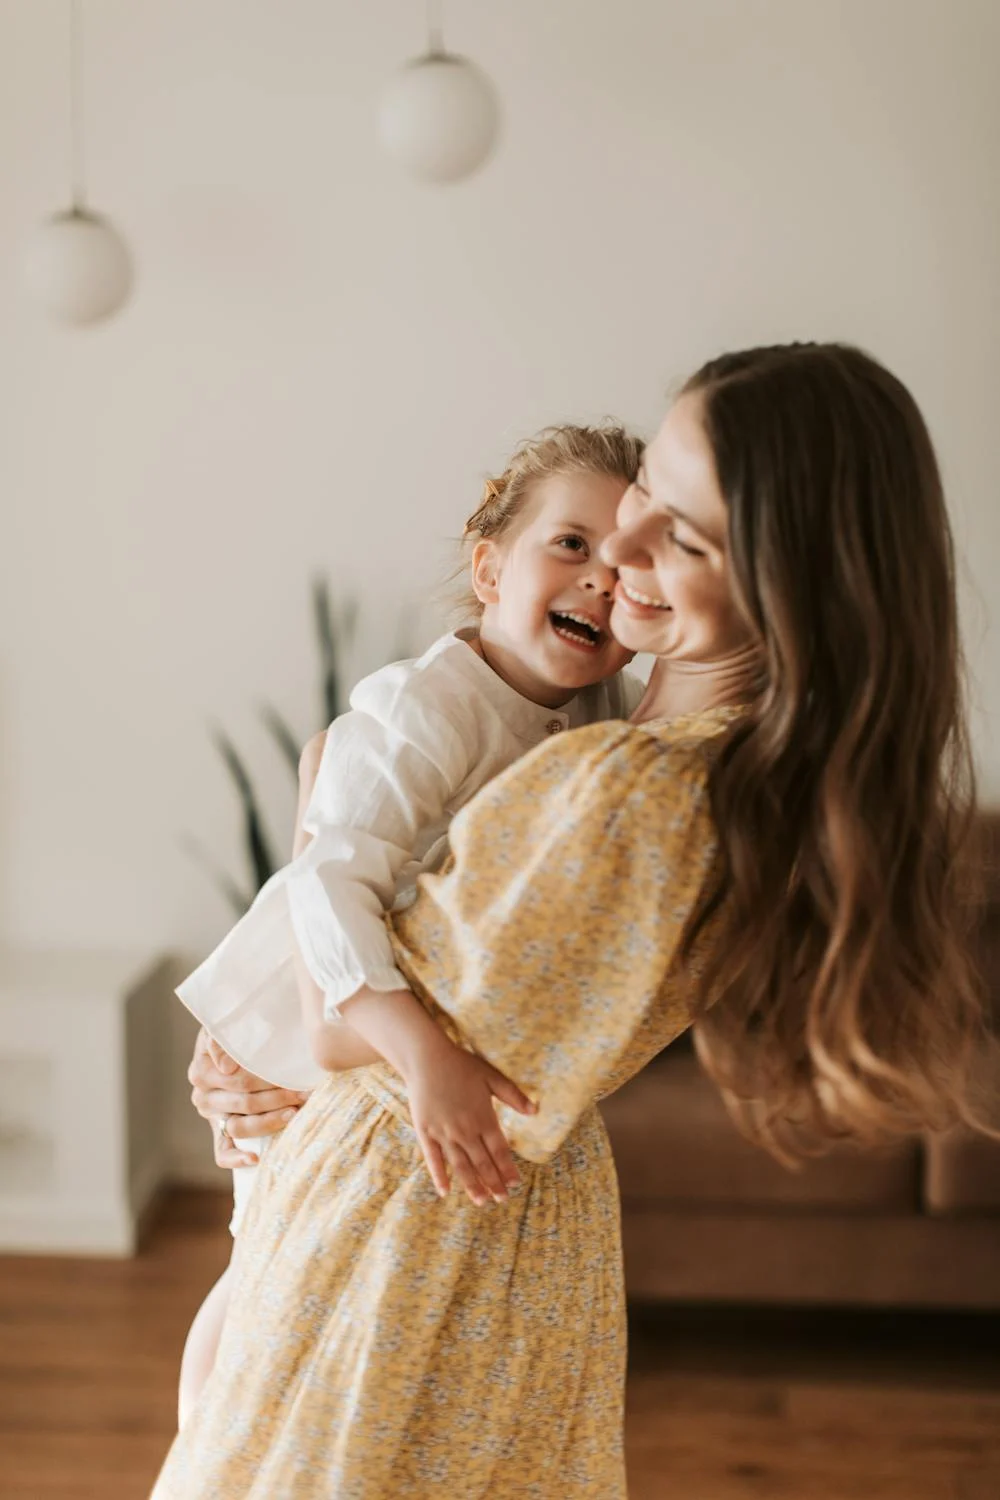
(451, 1092)
(451, 1104)
(220, 1088)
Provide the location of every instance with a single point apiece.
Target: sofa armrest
(962, 1173)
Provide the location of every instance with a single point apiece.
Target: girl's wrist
(422, 1047)
(398, 1026)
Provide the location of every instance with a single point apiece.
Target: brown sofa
(708, 1217)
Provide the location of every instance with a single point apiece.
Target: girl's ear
(486, 572)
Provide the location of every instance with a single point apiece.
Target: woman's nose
(622, 547)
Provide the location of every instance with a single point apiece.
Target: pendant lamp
(439, 117)
(76, 264)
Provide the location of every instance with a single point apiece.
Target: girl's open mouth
(578, 629)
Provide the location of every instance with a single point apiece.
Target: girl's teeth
(578, 640)
(593, 637)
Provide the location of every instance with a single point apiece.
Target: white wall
(322, 359)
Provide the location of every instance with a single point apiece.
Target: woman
(768, 850)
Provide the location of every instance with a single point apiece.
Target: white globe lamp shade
(439, 118)
(78, 267)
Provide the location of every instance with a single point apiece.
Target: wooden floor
(722, 1405)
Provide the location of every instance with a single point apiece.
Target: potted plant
(334, 630)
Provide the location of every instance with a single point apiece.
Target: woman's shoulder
(687, 744)
(629, 799)
(695, 739)
(613, 770)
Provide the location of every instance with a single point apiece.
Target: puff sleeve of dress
(553, 937)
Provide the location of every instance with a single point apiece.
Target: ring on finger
(223, 1123)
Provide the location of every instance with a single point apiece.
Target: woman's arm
(555, 936)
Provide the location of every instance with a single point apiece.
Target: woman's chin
(646, 636)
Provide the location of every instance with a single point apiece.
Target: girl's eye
(572, 543)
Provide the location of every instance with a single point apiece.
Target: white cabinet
(82, 1109)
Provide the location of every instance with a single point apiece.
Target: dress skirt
(385, 1343)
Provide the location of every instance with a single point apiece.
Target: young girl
(421, 738)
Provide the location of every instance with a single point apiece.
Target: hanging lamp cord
(76, 169)
(435, 28)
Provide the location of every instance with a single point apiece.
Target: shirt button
(554, 726)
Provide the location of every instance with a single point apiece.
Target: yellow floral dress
(384, 1343)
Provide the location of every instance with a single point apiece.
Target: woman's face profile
(674, 597)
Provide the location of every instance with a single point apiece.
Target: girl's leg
(202, 1346)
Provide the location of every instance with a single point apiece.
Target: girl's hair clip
(481, 520)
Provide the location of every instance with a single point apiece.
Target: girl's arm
(383, 774)
(555, 936)
(450, 1091)
(335, 1045)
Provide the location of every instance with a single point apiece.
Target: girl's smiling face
(547, 593)
(674, 596)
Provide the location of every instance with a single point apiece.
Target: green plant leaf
(334, 631)
(349, 619)
(259, 855)
(326, 640)
(283, 736)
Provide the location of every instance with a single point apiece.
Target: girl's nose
(600, 577)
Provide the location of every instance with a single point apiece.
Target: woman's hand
(221, 1089)
(451, 1095)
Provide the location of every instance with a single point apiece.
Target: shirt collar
(528, 720)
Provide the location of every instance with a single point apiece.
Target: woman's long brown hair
(843, 1000)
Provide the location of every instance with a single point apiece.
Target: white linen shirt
(420, 740)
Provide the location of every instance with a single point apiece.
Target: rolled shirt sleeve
(388, 765)
(389, 769)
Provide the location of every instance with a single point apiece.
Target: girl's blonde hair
(604, 449)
